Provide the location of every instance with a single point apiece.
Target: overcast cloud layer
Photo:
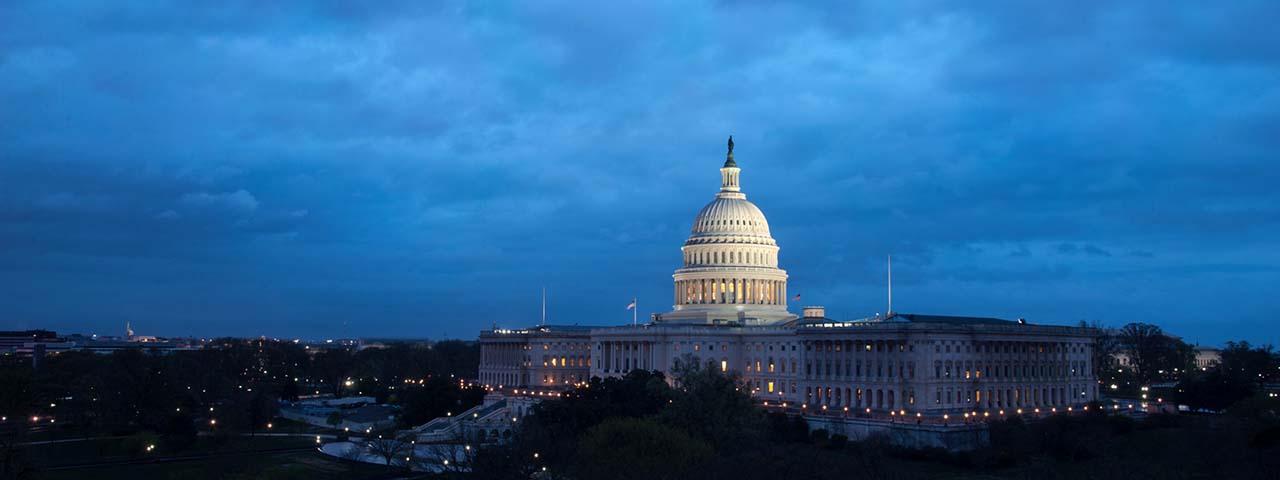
(422, 169)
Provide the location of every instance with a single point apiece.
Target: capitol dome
(730, 271)
(729, 217)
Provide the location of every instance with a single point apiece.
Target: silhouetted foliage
(236, 382)
(634, 448)
(1153, 354)
(435, 397)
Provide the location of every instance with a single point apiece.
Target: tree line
(1242, 372)
(229, 387)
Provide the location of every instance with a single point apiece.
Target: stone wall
(955, 438)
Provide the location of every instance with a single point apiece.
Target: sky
(424, 169)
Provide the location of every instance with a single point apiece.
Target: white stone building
(730, 312)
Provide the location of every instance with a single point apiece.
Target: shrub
(839, 441)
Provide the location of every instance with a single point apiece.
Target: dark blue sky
(422, 169)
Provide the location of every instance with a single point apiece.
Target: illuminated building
(730, 313)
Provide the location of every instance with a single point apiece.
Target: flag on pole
(632, 305)
(796, 298)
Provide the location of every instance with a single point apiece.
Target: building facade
(545, 357)
(730, 313)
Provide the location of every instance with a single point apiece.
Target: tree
(260, 409)
(627, 448)
(180, 432)
(389, 447)
(1105, 347)
(713, 406)
(1245, 363)
(333, 365)
(334, 419)
(1214, 391)
(15, 398)
(1153, 354)
(289, 392)
(435, 398)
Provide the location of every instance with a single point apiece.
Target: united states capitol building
(730, 312)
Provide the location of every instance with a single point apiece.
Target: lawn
(134, 447)
(301, 465)
(237, 457)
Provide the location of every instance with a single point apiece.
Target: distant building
(1207, 357)
(10, 341)
(730, 313)
(26, 343)
(106, 347)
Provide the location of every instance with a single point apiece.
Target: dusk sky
(423, 169)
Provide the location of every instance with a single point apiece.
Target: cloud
(313, 165)
(1073, 249)
(239, 200)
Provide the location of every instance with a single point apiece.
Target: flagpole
(890, 311)
(634, 309)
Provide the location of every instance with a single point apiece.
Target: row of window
(854, 369)
(759, 366)
(550, 361)
(1013, 397)
(881, 346)
(1008, 347)
(1075, 368)
(944, 346)
(720, 257)
(858, 398)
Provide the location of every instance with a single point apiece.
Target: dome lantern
(729, 187)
